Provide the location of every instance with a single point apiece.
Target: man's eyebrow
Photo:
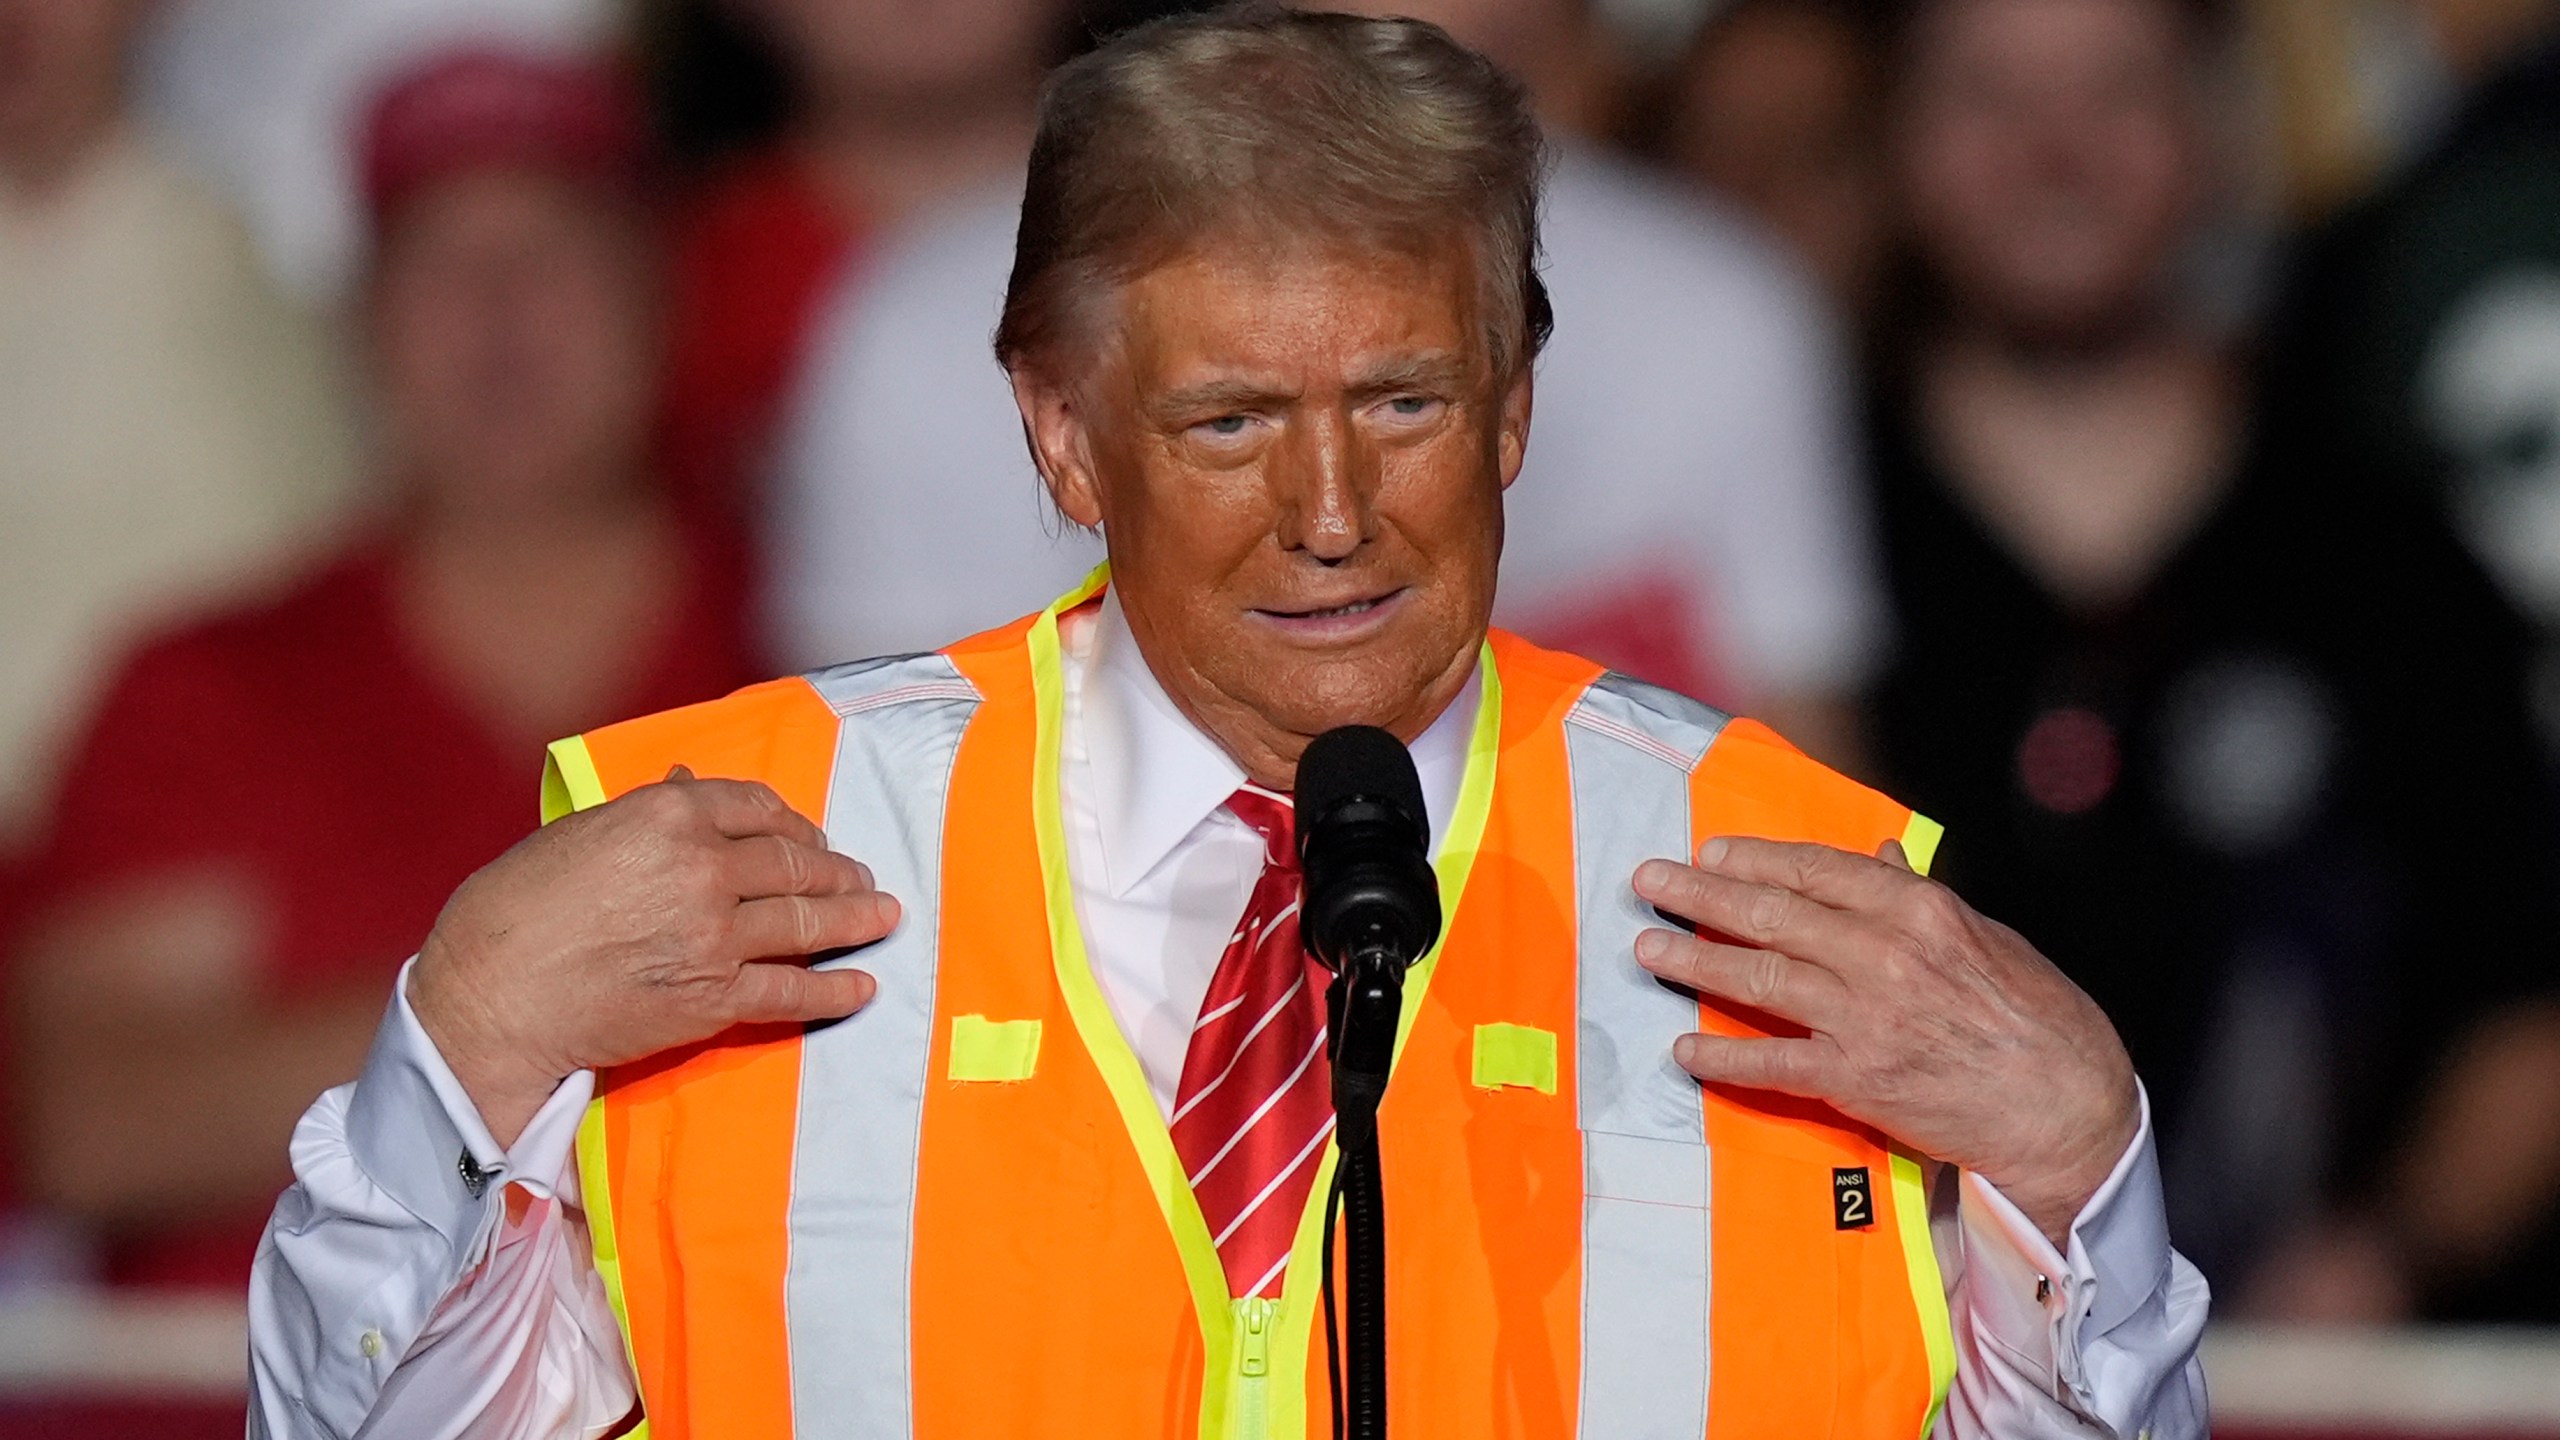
(1221, 396)
(1433, 370)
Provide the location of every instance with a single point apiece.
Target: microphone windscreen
(1364, 840)
(1359, 762)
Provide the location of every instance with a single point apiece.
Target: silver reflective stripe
(1645, 1175)
(862, 1081)
(1654, 1172)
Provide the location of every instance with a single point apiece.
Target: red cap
(484, 107)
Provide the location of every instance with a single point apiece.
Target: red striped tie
(1253, 1110)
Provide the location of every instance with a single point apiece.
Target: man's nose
(1325, 480)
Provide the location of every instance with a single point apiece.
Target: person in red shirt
(895, 107)
(272, 804)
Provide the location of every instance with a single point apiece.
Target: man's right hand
(662, 918)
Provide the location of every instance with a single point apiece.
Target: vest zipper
(1254, 1317)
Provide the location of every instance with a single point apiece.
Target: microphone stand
(1364, 1006)
(1371, 908)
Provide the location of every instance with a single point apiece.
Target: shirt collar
(1145, 807)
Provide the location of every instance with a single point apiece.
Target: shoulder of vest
(892, 682)
(855, 688)
(783, 732)
(1665, 724)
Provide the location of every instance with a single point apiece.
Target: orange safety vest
(959, 1213)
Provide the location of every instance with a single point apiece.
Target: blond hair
(1275, 124)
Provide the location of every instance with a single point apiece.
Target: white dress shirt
(391, 1299)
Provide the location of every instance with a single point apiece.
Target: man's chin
(1367, 686)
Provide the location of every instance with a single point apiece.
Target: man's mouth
(1332, 619)
(1356, 607)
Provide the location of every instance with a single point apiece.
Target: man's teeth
(1354, 608)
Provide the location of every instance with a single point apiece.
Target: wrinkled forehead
(1309, 315)
(1274, 295)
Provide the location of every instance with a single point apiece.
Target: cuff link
(474, 1179)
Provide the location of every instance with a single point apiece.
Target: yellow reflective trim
(1301, 1292)
(1520, 1055)
(595, 1189)
(1284, 1403)
(1100, 1032)
(1920, 841)
(570, 784)
(999, 1050)
(1911, 1199)
(1928, 1289)
(569, 779)
(1457, 858)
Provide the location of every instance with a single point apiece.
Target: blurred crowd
(2129, 430)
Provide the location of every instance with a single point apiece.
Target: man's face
(514, 329)
(2049, 155)
(1297, 460)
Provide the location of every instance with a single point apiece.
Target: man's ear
(1054, 424)
(1511, 447)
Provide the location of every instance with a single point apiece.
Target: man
(1690, 515)
(2156, 689)
(1271, 328)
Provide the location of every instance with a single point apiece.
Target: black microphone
(1372, 903)
(1364, 841)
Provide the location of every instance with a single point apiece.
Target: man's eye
(1410, 405)
(1225, 426)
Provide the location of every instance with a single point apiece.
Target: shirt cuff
(413, 1129)
(2045, 1308)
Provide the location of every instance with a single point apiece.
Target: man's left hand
(1928, 1021)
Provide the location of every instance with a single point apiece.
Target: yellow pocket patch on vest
(1515, 1055)
(984, 1049)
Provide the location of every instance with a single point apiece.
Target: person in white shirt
(1690, 512)
(1294, 421)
